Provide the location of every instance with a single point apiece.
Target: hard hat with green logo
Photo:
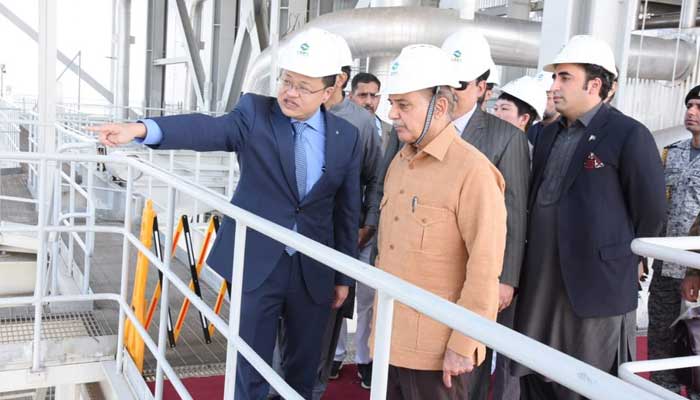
(343, 51)
(529, 91)
(419, 66)
(312, 52)
(470, 52)
(545, 79)
(585, 49)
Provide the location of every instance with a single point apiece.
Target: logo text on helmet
(394, 67)
(304, 49)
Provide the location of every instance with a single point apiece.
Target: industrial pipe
(689, 12)
(385, 31)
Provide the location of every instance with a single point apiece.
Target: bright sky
(83, 25)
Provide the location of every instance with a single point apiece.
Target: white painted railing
(671, 249)
(576, 375)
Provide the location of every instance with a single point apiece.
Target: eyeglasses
(287, 85)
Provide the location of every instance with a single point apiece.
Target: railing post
(71, 206)
(90, 221)
(57, 205)
(234, 317)
(382, 345)
(164, 292)
(40, 267)
(125, 266)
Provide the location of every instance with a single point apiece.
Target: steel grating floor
(192, 357)
(20, 328)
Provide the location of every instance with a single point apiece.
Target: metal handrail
(568, 371)
(675, 250)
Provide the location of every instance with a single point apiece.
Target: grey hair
(446, 93)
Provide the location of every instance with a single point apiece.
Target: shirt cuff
(371, 219)
(153, 133)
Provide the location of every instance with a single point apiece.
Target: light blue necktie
(300, 157)
(299, 166)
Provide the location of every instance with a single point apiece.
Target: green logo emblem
(395, 67)
(457, 54)
(304, 47)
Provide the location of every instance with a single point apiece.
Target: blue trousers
(283, 294)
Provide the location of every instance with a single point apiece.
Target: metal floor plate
(19, 329)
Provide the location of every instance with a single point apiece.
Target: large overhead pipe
(374, 32)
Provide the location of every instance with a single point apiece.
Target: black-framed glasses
(303, 90)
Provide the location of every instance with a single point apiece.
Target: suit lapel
(474, 125)
(592, 135)
(284, 135)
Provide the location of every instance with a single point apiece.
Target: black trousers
(283, 294)
(411, 384)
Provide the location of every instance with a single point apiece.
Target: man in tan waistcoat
(442, 228)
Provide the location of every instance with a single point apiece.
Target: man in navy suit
(597, 183)
(300, 168)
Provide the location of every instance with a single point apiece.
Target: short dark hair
(364, 77)
(483, 76)
(523, 108)
(347, 70)
(606, 78)
(479, 79)
(328, 81)
(490, 85)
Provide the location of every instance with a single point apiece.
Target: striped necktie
(300, 157)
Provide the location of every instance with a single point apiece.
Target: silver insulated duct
(384, 31)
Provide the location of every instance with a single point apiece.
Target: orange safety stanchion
(219, 302)
(156, 293)
(211, 230)
(134, 342)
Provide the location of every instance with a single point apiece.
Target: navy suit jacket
(262, 136)
(602, 209)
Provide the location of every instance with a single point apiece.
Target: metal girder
(245, 48)
(64, 59)
(171, 61)
(156, 35)
(195, 61)
(223, 37)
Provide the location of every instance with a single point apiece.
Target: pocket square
(593, 162)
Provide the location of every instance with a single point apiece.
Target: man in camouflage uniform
(682, 173)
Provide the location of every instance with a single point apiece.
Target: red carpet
(347, 387)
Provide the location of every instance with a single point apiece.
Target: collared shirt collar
(584, 119)
(461, 122)
(436, 148)
(315, 122)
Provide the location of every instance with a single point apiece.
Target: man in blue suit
(300, 168)
(597, 183)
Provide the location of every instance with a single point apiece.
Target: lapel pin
(591, 138)
(337, 133)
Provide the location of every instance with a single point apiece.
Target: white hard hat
(420, 66)
(343, 51)
(312, 52)
(528, 90)
(494, 76)
(470, 52)
(545, 79)
(585, 49)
